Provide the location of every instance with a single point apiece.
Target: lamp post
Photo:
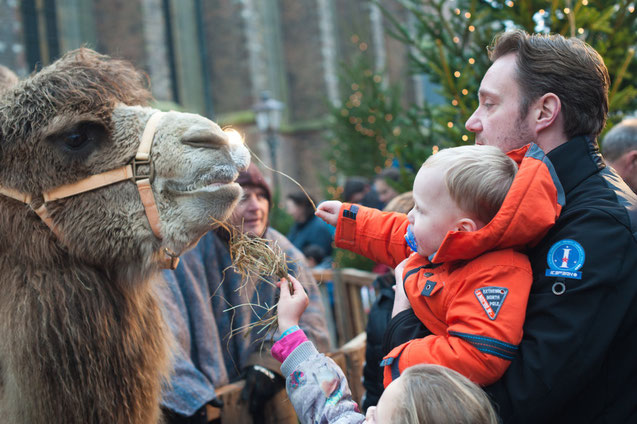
(268, 113)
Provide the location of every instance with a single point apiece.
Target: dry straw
(256, 259)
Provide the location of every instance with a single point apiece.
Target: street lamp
(268, 113)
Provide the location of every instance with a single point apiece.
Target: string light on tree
(465, 137)
(472, 61)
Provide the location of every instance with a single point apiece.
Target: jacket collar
(530, 208)
(576, 160)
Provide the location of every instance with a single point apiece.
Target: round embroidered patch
(565, 258)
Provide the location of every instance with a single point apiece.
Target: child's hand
(328, 211)
(291, 306)
(401, 303)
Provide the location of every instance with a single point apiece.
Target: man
(198, 302)
(576, 362)
(620, 151)
(382, 184)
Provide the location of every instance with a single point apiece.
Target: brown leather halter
(129, 171)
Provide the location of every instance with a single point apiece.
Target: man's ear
(546, 109)
(466, 224)
(631, 160)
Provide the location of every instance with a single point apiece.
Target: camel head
(85, 115)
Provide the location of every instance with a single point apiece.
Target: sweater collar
(576, 160)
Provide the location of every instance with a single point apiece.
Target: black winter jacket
(577, 362)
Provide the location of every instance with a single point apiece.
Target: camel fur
(82, 339)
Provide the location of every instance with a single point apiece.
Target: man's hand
(328, 211)
(291, 304)
(261, 385)
(401, 302)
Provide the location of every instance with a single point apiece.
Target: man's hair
(303, 201)
(620, 139)
(477, 177)
(7, 78)
(435, 394)
(354, 185)
(388, 174)
(566, 67)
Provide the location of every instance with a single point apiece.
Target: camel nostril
(205, 137)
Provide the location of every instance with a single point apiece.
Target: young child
(319, 392)
(466, 280)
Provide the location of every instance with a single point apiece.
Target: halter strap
(127, 172)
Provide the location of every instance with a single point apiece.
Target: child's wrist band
(290, 331)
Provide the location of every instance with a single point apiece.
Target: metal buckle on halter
(137, 174)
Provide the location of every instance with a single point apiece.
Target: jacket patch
(491, 299)
(565, 258)
(429, 287)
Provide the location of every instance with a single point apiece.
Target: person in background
(620, 151)
(576, 362)
(383, 184)
(379, 317)
(205, 300)
(316, 258)
(319, 391)
(358, 190)
(307, 228)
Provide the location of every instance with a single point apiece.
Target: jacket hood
(529, 210)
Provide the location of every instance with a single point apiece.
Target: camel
(82, 338)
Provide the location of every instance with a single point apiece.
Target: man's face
(251, 214)
(384, 190)
(497, 120)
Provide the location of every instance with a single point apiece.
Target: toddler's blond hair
(478, 178)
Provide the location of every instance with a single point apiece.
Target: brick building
(215, 57)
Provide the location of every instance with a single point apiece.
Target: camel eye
(76, 140)
(84, 135)
(81, 139)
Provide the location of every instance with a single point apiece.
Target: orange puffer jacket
(472, 294)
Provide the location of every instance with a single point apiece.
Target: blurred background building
(217, 57)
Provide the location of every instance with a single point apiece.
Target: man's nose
(473, 124)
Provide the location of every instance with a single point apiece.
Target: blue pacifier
(410, 238)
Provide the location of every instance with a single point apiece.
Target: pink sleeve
(282, 348)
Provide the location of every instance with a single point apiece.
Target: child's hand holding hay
(292, 303)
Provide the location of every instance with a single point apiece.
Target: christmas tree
(370, 130)
(448, 40)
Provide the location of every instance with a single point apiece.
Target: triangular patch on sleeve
(491, 299)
